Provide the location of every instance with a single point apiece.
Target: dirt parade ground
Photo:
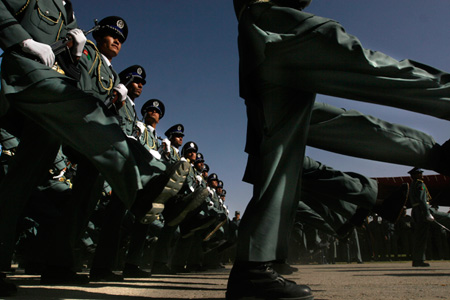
(393, 280)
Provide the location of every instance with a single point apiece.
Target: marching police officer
(133, 78)
(98, 77)
(175, 136)
(152, 111)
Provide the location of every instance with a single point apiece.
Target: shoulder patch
(85, 52)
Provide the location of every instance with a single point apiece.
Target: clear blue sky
(189, 51)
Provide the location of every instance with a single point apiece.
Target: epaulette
(97, 54)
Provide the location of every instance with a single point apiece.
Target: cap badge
(120, 24)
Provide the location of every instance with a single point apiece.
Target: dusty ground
(397, 281)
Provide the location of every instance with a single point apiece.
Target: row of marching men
(181, 205)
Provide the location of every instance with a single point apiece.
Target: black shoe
(357, 219)
(180, 269)
(420, 263)
(212, 266)
(63, 276)
(259, 280)
(177, 209)
(392, 207)
(160, 268)
(283, 268)
(195, 268)
(104, 275)
(7, 288)
(158, 190)
(133, 271)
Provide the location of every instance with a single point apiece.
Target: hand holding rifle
(66, 52)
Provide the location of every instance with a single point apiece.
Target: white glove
(167, 145)
(141, 126)
(210, 203)
(79, 39)
(61, 174)
(155, 154)
(430, 218)
(42, 51)
(122, 91)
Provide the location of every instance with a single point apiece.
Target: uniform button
(47, 12)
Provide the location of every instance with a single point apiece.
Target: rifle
(65, 62)
(215, 230)
(440, 225)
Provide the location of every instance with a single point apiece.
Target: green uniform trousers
(76, 119)
(286, 57)
(333, 129)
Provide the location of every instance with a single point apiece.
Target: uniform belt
(415, 204)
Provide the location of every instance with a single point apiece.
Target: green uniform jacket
(44, 21)
(419, 197)
(7, 140)
(97, 78)
(201, 181)
(148, 139)
(127, 117)
(174, 155)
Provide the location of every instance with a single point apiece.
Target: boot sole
(193, 204)
(177, 177)
(153, 213)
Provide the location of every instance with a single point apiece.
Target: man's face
(199, 166)
(219, 190)
(177, 140)
(135, 89)
(417, 175)
(191, 155)
(109, 46)
(152, 116)
(213, 183)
